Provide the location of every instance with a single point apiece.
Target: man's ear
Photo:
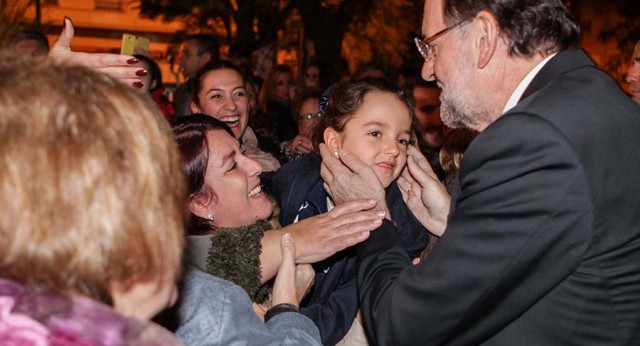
(205, 58)
(200, 203)
(487, 41)
(194, 107)
(332, 139)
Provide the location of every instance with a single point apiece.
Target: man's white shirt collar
(517, 94)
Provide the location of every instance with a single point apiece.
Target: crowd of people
(489, 198)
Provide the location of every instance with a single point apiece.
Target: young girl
(372, 119)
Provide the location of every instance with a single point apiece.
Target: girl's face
(233, 178)
(378, 134)
(223, 97)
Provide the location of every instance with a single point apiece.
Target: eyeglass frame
(424, 46)
(310, 115)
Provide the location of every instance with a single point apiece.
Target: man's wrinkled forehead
(433, 17)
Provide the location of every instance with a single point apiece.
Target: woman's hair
(530, 26)
(270, 83)
(454, 145)
(154, 71)
(196, 83)
(191, 135)
(346, 98)
(90, 182)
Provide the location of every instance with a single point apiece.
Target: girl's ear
(332, 139)
(200, 203)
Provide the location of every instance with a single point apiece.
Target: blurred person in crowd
(633, 75)
(242, 59)
(196, 51)
(371, 70)
(152, 84)
(408, 76)
(30, 43)
(307, 114)
(426, 102)
(275, 102)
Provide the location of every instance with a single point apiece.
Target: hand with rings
(300, 145)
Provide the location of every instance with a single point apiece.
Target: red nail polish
(132, 61)
(141, 73)
(138, 85)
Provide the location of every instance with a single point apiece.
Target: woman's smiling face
(233, 179)
(223, 96)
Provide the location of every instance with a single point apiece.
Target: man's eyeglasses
(310, 116)
(426, 49)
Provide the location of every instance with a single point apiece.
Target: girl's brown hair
(346, 98)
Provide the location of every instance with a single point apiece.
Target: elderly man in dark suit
(541, 241)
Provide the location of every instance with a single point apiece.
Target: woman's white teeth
(255, 191)
(230, 119)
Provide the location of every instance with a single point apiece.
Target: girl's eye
(375, 133)
(241, 93)
(215, 96)
(404, 142)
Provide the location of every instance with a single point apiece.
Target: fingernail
(335, 153)
(141, 73)
(287, 238)
(380, 213)
(137, 84)
(372, 201)
(377, 221)
(132, 61)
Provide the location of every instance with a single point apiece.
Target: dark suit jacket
(542, 245)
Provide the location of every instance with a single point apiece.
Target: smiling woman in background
(219, 91)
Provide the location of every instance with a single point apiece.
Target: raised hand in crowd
(123, 67)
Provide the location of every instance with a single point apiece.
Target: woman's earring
(210, 217)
